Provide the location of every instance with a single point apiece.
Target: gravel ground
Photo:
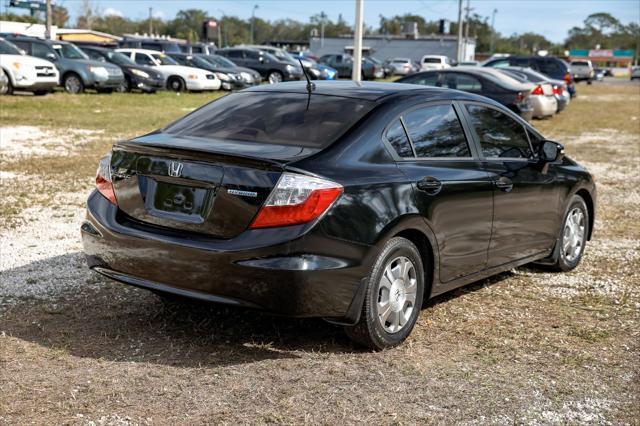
(525, 347)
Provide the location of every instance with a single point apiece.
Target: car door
(451, 189)
(526, 198)
(237, 57)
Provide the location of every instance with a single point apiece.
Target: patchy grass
(526, 346)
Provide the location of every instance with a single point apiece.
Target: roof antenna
(310, 85)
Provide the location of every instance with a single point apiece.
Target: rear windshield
(274, 118)
(580, 63)
(431, 60)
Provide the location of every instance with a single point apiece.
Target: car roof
(136, 50)
(369, 91)
(23, 37)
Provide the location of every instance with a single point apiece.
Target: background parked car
(25, 72)
(548, 65)
(136, 77)
(598, 74)
(401, 66)
(490, 83)
(559, 86)
(434, 62)
(178, 77)
(582, 71)
(77, 71)
(270, 67)
(250, 77)
(161, 45)
(229, 78)
(343, 63)
(384, 68)
(316, 70)
(635, 73)
(198, 48)
(543, 101)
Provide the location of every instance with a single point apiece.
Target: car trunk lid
(194, 185)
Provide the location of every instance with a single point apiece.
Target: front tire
(176, 84)
(393, 299)
(73, 84)
(573, 236)
(275, 77)
(9, 89)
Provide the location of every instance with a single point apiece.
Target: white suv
(434, 62)
(178, 77)
(26, 72)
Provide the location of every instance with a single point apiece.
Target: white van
(434, 62)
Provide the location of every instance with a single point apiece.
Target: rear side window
(462, 82)
(500, 135)
(235, 54)
(423, 79)
(397, 137)
(549, 66)
(274, 118)
(435, 131)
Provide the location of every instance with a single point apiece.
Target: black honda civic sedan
(350, 202)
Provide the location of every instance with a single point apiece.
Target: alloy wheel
(275, 77)
(72, 84)
(397, 294)
(573, 235)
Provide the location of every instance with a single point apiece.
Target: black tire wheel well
(584, 194)
(420, 240)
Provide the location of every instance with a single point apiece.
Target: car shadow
(87, 315)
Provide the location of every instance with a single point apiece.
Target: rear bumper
(544, 106)
(263, 269)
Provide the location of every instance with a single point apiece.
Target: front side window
(500, 135)
(435, 132)
(397, 137)
(144, 59)
(42, 50)
(163, 59)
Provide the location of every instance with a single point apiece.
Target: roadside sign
(40, 6)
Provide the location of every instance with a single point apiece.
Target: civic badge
(175, 169)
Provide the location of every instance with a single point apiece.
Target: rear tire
(573, 236)
(393, 299)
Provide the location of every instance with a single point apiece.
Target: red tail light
(103, 179)
(520, 97)
(557, 90)
(297, 199)
(537, 90)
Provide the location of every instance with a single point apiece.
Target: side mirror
(51, 57)
(551, 152)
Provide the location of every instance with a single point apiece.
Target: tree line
(598, 30)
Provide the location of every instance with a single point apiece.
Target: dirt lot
(523, 347)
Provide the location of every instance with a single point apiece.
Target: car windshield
(119, 58)
(221, 61)
(274, 118)
(164, 59)
(69, 51)
(7, 48)
(200, 63)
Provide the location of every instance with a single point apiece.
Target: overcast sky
(553, 18)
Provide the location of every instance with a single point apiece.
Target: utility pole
(357, 43)
(253, 18)
(323, 16)
(48, 35)
(493, 31)
(459, 49)
(466, 30)
(220, 33)
(150, 22)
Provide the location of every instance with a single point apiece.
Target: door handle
(430, 185)
(504, 184)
